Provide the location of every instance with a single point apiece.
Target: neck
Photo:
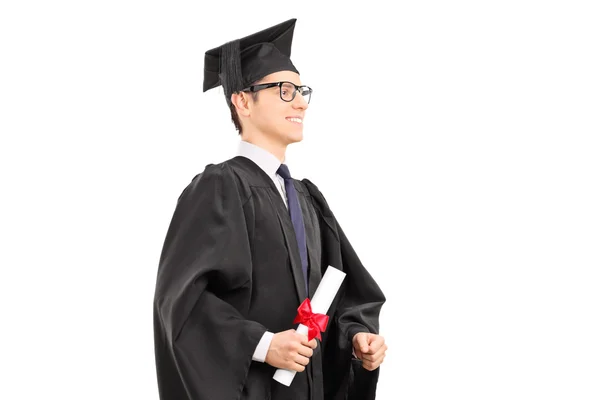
(273, 147)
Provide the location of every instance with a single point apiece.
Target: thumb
(362, 342)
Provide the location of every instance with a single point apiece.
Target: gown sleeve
(203, 343)
(357, 309)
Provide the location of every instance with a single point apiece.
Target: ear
(241, 101)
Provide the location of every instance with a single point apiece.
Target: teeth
(297, 120)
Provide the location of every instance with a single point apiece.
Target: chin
(294, 136)
(287, 136)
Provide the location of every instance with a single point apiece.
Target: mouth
(295, 120)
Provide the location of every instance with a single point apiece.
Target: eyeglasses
(287, 90)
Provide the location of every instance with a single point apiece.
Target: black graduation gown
(230, 270)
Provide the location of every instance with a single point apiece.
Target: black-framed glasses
(287, 90)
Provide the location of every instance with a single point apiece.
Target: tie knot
(284, 171)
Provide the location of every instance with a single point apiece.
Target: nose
(299, 102)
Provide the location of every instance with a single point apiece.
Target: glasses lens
(287, 91)
(306, 92)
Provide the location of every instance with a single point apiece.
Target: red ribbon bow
(316, 323)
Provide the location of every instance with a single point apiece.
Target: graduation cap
(240, 62)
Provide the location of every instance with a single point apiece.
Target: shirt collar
(261, 157)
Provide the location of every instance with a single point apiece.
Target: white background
(457, 143)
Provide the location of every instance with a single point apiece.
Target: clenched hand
(290, 350)
(370, 349)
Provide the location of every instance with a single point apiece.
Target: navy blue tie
(296, 216)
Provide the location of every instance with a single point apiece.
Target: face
(279, 121)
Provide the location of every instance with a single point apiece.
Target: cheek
(275, 118)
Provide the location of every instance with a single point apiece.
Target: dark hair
(234, 116)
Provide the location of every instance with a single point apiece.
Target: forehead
(282, 76)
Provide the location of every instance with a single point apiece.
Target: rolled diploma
(320, 303)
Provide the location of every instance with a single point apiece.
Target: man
(246, 246)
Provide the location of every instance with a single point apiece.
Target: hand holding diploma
(290, 350)
(313, 314)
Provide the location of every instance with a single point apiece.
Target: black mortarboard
(238, 63)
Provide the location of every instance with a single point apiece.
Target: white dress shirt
(269, 164)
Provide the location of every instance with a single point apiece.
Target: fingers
(312, 344)
(294, 366)
(298, 359)
(358, 353)
(298, 363)
(375, 356)
(372, 365)
(305, 351)
(376, 342)
(305, 342)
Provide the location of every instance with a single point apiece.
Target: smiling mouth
(295, 120)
